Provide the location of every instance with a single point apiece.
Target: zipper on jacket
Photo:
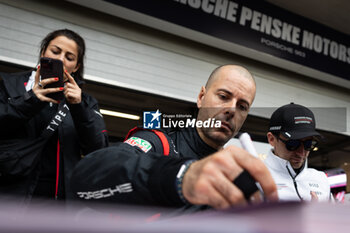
(295, 183)
(57, 168)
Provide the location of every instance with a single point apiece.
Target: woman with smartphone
(42, 102)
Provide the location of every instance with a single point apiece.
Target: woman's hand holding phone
(54, 79)
(41, 92)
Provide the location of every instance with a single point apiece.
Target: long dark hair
(77, 39)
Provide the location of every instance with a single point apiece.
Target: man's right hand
(209, 181)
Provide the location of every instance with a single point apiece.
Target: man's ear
(200, 97)
(271, 139)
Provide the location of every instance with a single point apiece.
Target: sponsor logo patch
(144, 145)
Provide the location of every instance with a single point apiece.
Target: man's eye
(223, 97)
(243, 107)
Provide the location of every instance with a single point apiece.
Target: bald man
(189, 168)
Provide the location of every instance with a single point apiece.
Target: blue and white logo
(151, 120)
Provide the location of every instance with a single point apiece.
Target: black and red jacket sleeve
(132, 172)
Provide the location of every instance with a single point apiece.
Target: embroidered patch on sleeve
(144, 145)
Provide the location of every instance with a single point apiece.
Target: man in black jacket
(197, 170)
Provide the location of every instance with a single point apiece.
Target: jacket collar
(196, 143)
(281, 164)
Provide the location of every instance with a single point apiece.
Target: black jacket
(127, 174)
(23, 115)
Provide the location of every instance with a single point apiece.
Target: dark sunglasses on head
(292, 145)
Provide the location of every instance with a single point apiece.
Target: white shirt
(31, 81)
(296, 187)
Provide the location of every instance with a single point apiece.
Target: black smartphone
(51, 68)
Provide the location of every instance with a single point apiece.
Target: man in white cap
(293, 136)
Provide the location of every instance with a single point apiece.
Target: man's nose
(230, 107)
(301, 150)
(231, 104)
